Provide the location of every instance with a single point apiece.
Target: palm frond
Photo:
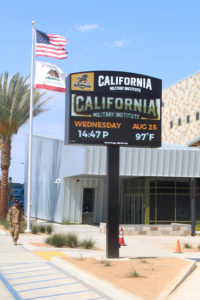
(15, 103)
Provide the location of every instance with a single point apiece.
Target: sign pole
(112, 229)
(193, 207)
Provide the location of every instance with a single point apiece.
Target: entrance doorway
(133, 209)
(88, 205)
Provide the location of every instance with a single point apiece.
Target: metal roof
(169, 160)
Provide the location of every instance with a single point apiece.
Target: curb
(101, 285)
(31, 247)
(177, 280)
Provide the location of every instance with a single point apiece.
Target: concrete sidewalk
(137, 246)
(190, 289)
(24, 275)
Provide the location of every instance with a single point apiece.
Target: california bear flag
(49, 77)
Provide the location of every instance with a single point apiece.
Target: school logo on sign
(82, 81)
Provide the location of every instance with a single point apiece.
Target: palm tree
(14, 112)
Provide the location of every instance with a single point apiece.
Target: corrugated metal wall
(168, 161)
(73, 198)
(53, 160)
(47, 197)
(163, 162)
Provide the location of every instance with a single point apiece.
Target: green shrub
(107, 263)
(198, 247)
(143, 261)
(42, 228)
(33, 224)
(60, 240)
(5, 223)
(49, 229)
(133, 273)
(66, 222)
(87, 244)
(48, 240)
(187, 246)
(34, 229)
(71, 240)
(57, 240)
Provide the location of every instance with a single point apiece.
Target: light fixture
(57, 181)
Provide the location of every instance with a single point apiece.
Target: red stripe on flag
(53, 56)
(50, 88)
(38, 46)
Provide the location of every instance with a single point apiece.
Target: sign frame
(113, 108)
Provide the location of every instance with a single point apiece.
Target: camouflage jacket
(15, 215)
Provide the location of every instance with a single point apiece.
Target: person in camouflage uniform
(16, 219)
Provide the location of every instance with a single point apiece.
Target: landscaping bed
(145, 278)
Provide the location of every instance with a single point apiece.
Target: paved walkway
(190, 289)
(24, 275)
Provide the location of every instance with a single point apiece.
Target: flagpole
(28, 229)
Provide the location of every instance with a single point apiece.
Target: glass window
(197, 116)
(133, 185)
(183, 187)
(179, 122)
(198, 208)
(152, 207)
(183, 207)
(166, 187)
(188, 119)
(88, 200)
(165, 207)
(170, 193)
(183, 184)
(166, 183)
(152, 187)
(171, 124)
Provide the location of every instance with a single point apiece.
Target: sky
(155, 38)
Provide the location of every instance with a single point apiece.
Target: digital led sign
(108, 107)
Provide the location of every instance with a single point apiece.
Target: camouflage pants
(14, 231)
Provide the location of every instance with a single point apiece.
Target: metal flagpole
(28, 229)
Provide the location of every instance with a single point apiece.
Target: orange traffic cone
(178, 247)
(121, 238)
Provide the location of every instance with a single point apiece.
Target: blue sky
(155, 38)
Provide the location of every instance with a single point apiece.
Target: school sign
(113, 108)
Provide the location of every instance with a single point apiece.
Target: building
(69, 183)
(16, 192)
(181, 111)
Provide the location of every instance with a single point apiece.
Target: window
(179, 122)
(188, 119)
(165, 207)
(197, 116)
(171, 124)
(88, 200)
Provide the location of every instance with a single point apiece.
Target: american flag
(50, 45)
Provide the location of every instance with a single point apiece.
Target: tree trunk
(5, 164)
